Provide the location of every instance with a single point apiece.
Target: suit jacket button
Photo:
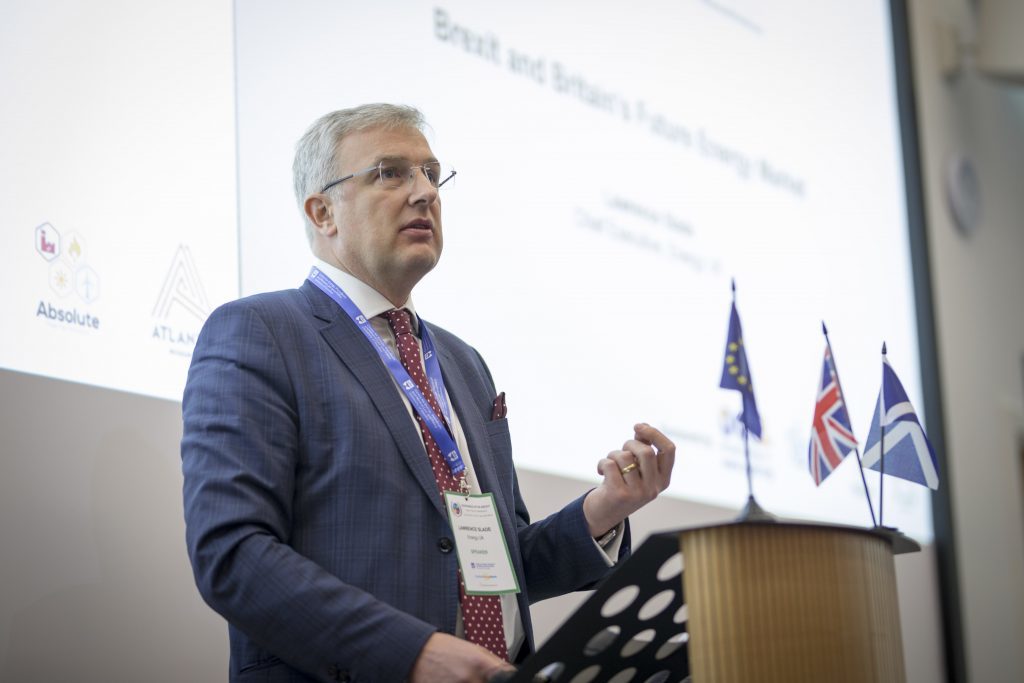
(445, 544)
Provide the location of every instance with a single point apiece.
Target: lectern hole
(659, 677)
(669, 647)
(656, 605)
(552, 671)
(601, 640)
(680, 615)
(587, 675)
(673, 566)
(638, 642)
(623, 676)
(619, 601)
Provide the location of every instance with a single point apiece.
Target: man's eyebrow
(389, 159)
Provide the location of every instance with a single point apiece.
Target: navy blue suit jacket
(312, 516)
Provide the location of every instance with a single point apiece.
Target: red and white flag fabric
(831, 434)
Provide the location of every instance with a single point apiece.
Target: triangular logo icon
(182, 287)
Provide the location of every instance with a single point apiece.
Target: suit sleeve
(558, 554)
(240, 449)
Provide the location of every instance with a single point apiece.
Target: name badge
(480, 544)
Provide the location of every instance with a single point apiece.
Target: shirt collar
(370, 302)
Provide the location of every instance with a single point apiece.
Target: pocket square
(498, 408)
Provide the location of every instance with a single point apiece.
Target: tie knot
(399, 320)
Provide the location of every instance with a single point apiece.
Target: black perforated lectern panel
(631, 630)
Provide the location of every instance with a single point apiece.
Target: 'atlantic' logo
(182, 306)
(183, 288)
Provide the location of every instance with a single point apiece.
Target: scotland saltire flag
(908, 454)
(736, 374)
(831, 434)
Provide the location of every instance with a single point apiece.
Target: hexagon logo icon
(47, 241)
(61, 278)
(87, 284)
(74, 247)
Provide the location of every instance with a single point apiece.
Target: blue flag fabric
(736, 374)
(908, 453)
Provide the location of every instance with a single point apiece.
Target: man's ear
(320, 214)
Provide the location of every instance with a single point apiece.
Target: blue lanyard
(437, 428)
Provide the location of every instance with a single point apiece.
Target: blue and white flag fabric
(908, 453)
(736, 374)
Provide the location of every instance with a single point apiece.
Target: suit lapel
(476, 433)
(348, 342)
(483, 464)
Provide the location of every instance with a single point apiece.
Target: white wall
(978, 286)
(96, 585)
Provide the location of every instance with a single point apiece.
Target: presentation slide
(619, 165)
(117, 196)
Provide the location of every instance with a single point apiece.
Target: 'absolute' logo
(70, 278)
(182, 306)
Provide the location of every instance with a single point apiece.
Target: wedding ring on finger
(628, 468)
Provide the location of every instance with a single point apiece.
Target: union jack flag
(831, 434)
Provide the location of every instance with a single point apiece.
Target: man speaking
(351, 503)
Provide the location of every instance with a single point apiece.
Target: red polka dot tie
(481, 614)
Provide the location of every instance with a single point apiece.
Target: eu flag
(908, 453)
(736, 374)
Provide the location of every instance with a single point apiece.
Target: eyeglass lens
(394, 174)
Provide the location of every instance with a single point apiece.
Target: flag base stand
(753, 512)
(901, 543)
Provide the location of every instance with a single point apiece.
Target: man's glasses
(394, 174)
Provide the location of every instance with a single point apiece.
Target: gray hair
(315, 162)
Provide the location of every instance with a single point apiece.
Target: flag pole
(881, 442)
(746, 436)
(752, 511)
(746, 454)
(842, 397)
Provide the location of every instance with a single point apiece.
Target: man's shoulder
(449, 341)
(466, 356)
(281, 312)
(264, 303)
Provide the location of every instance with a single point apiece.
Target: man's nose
(422, 189)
